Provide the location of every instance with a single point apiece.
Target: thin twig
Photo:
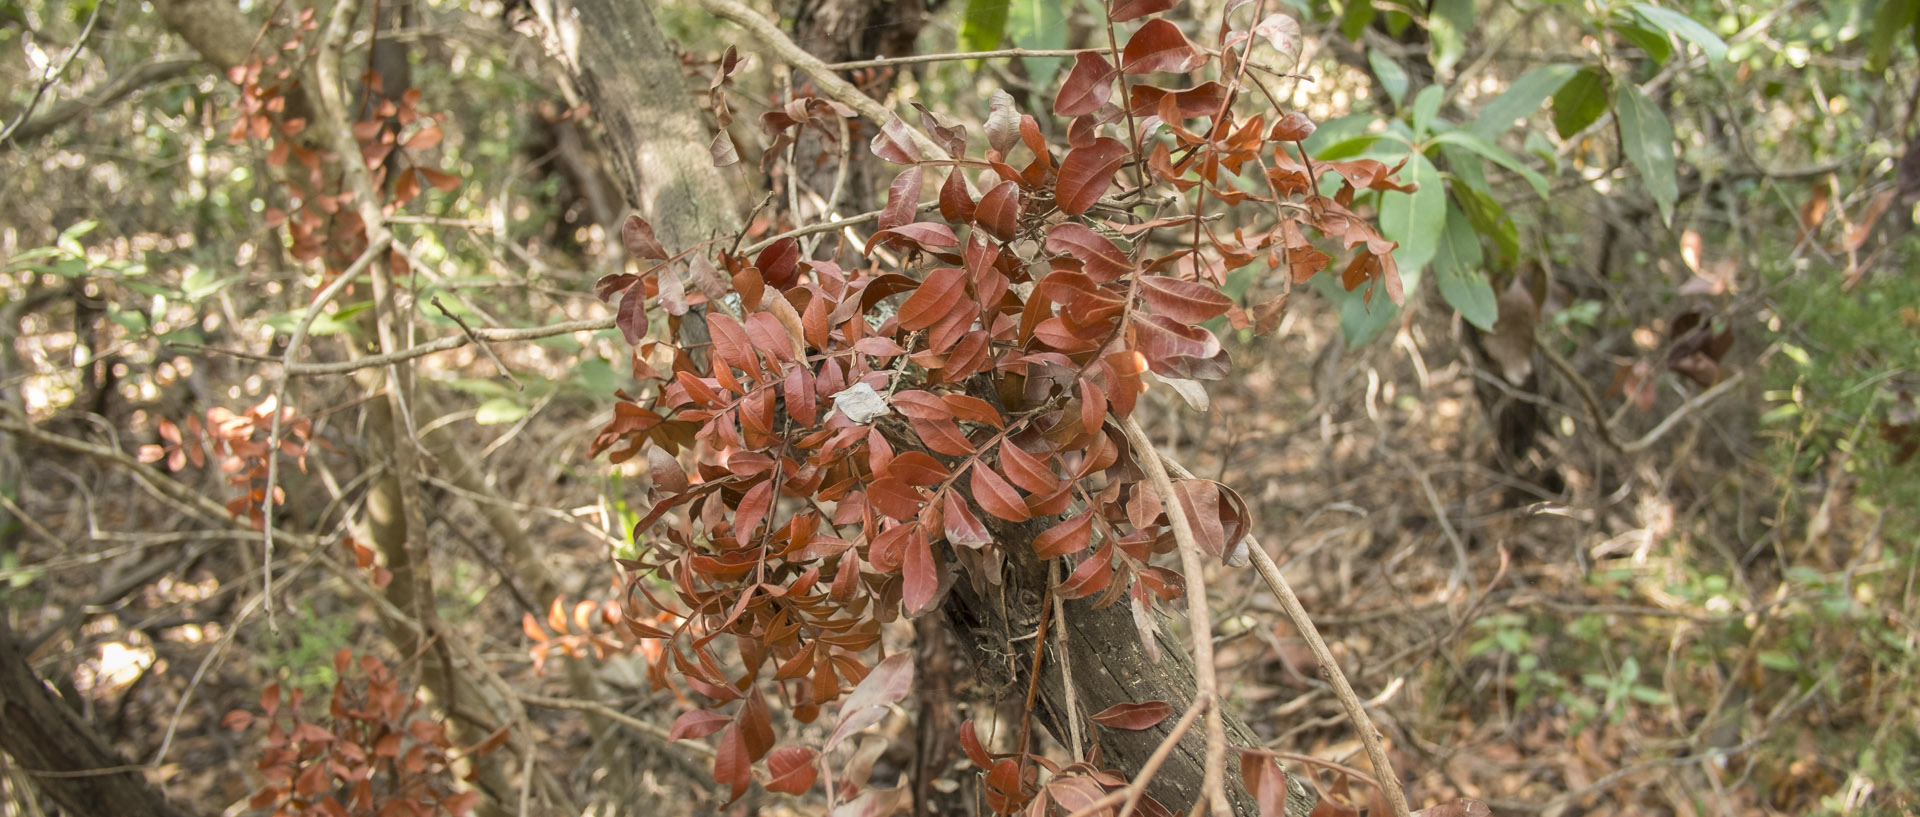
(53, 75)
(916, 59)
(295, 342)
(1138, 788)
(468, 331)
(1066, 661)
(1199, 617)
(1330, 669)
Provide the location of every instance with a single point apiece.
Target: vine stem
(1330, 669)
(1199, 617)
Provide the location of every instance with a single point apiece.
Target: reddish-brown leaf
(697, 724)
(903, 199)
(791, 769)
(917, 468)
(970, 743)
(731, 342)
(962, 528)
(1086, 174)
(1158, 337)
(887, 684)
(637, 236)
(1268, 783)
(1069, 537)
(1159, 46)
(1135, 9)
(753, 509)
(1201, 100)
(996, 496)
(441, 180)
(972, 409)
(1183, 301)
(1026, 470)
(312, 780)
(777, 264)
(925, 236)
(1088, 86)
(919, 574)
(631, 316)
(895, 498)
(1133, 716)
(1003, 787)
(895, 143)
(999, 211)
(941, 293)
(240, 719)
(1292, 128)
(731, 767)
(956, 205)
(1098, 255)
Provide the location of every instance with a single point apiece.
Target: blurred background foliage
(1616, 516)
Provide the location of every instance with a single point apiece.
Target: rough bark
(1110, 666)
(630, 71)
(56, 749)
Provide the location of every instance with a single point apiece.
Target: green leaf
(1497, 155)
(1355, 18)
(1522, 98)
(1457, 270)
(1426, 105)
(1039, 24)
(1393, 78)
(1652, 41)
(596, 376)
(1489, 219)
(1684, 27)
(1416, 219)
(1892, 19)
(1448, 25)
(1778, 661)
(1648, 141)
(1580, 102)
(499, 410)
(1347, 149)
(1338, 130)
(200, 283)
(69, 240)
(984, 24)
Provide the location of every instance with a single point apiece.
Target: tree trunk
(56, 749)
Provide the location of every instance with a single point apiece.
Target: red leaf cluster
(371, 753)
(854, 440)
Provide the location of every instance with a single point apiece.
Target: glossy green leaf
(1415, 219)
(1497, 155)
(1426, 106)
(1684, 27)
(1489, 219)
(1522, 98)
(1648, 139)
(984, 24)
(1658, 46)
(1354, 19)
(1039, 24)
(1458, 270)
(1393, 78)
(1580, 102)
